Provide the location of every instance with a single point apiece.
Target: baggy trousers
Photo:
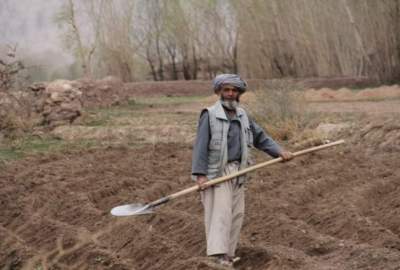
(224, 213)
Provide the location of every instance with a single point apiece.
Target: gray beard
(230, 105)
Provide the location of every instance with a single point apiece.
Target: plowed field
(335, 209)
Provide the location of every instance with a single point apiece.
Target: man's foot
(223, 259)
(234, 259)
(220, 261)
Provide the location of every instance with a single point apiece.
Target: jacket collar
(220, 112)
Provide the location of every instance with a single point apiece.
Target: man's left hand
(286, 155)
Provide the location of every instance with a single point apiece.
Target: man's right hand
(201, 180)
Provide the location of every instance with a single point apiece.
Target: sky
(30, 25)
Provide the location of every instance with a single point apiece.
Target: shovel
(140, 209)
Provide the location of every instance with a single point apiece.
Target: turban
(231, 79)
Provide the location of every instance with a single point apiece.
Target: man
(225, 136)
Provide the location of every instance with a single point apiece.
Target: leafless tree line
(320, 38)
(190, 39)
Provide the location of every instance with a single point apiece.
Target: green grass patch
(135, 109)
(9, 154)
(17, 149)
(166, 100)
(136, 112)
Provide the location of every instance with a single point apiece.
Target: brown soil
(366, 107)
(111, 91)
(335, 209)
(345, 94)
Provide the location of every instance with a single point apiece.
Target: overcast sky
(30, 24)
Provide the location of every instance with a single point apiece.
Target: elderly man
(225, 136)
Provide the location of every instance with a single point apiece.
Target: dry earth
(336, 209)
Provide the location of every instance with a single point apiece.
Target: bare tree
(317, 38)
(191, 39)
(116, 48)
(72, 38)
(10, 69)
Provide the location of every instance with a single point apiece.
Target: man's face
(229, 93)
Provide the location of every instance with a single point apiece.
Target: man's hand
(201, 180)
(286, 155)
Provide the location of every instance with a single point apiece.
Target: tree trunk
(151, 64)
(235, 68)
(195, 64)
(160, 61)
(358, 37)
(186, 68)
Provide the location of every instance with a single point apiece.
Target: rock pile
(59, 103)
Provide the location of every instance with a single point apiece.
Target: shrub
(16, 115)
(13, 125)
(280, 107)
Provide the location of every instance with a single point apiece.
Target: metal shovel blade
(131, 209)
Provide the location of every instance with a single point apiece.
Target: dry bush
(13, 125)
(307, 138)
(16, 113)
(15, 106)
(280, 107)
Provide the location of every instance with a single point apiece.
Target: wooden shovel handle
(249, 169)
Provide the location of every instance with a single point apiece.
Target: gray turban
(231, 79)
